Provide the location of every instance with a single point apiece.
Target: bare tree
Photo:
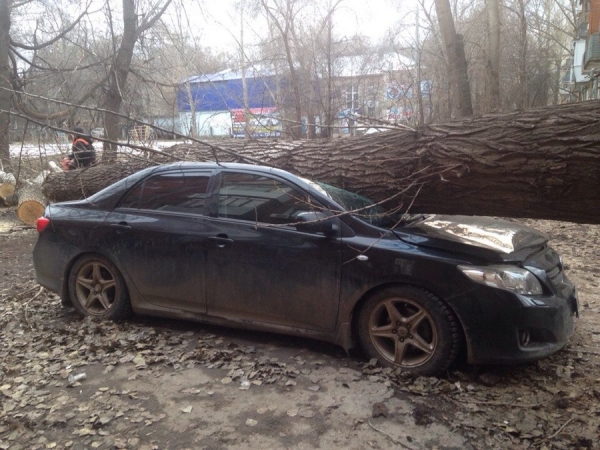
(133, 29)
(5, 85)
(522, 69)
(11, 84)
(457, 62)
(282, 15)
(493, 51)
(514, 50)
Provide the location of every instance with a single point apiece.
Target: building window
(352, 97)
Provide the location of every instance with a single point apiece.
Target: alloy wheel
(96, 288)
(403, 332)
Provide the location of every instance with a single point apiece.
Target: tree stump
(31, 204)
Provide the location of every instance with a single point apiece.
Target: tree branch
(54, 39)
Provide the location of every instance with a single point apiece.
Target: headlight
(509, 278)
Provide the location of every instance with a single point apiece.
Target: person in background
(82, 153)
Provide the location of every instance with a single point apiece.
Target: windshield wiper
(411, 219)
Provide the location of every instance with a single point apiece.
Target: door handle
(121, 227)
(221, 241)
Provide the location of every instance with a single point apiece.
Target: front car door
(260, 268)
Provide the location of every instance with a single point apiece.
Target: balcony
(591, 58)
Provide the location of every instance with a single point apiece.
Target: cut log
(31, 204)
(7, 178)
(6, 193)
(542, 163)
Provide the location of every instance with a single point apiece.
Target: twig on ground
(515, 405)
(28, 302)
(584, 352)
(388, 436)
(560, 429)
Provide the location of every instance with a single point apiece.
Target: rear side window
(262, 199)
(176, 192)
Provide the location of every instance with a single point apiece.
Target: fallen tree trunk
(81, 183)
(542, 163)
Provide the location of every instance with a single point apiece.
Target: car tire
(97, 289)
(423, 337)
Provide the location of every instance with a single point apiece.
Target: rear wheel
(97, 289)
(409, 328)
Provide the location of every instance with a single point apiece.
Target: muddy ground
(160, 384)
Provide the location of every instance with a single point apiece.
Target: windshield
(361, 207)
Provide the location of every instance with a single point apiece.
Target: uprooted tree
(541, 163)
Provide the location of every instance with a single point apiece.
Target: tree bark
(454, 48)
(542, 163)
(81, 183)
(493, 54)
(118, 78)
(522, 101)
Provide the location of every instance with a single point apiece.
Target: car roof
(224, 165)
(214, 165)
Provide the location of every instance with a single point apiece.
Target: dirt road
(159, 384)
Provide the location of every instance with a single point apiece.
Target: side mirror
(315, 222)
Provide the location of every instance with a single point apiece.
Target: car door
(260, 268)
(158, 233)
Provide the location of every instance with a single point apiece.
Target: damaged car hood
(483, 236)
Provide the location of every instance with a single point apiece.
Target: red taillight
(41, 224)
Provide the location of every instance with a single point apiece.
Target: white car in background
(97, 133)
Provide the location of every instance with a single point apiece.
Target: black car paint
(361, 259)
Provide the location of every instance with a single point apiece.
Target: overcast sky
(219, 23)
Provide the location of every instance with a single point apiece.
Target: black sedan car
(260, 248)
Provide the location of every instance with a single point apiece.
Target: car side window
(174, 192)
(257, 198)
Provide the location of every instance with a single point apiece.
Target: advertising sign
(399, 114)
(259, 122)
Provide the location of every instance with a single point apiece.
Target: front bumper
(503, 328)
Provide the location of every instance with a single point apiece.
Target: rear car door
(158, 233)
(261, 269)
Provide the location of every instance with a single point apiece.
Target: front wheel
(409, 328)
(97, 289)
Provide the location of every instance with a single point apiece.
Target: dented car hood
(488, 237)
